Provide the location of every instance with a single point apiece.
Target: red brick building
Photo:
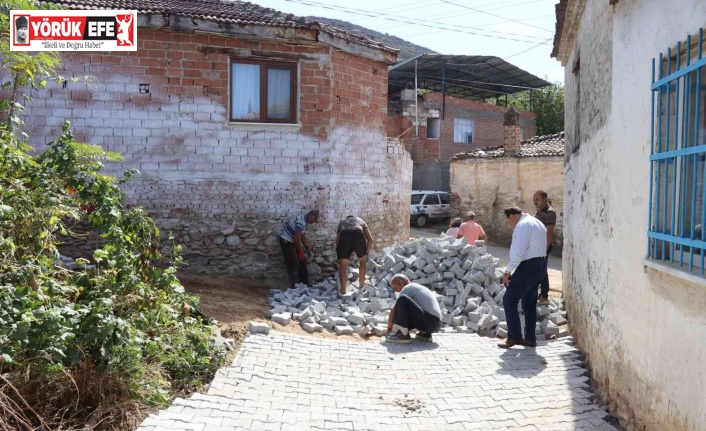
(238, 117)
(450, 109)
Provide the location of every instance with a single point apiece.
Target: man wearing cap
(527, 267)
(471, 230)
(352, 235)
(21, 26)
(294, 242)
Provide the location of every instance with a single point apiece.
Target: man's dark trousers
(296, 269)
(523, 287)
(544, 285)
(408, 314)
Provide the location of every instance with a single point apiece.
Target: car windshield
(416, 199)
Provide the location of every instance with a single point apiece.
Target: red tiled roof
(539, 146)
(224, 11)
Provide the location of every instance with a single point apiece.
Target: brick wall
(487, 119)
(223, 189)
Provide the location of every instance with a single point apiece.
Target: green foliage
(126, 318)
(547, 103)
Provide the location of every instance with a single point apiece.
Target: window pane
(246, 92)
(279, 93)
(463, 130)
(445, 199)
(431, 200)
(416, 199)
(433, 128)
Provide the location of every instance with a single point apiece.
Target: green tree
(547, 103)
(100, 343)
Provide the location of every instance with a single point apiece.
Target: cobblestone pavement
(458, 382)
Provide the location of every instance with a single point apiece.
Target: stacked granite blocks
(464, 277)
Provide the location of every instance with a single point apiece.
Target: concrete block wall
(223, 189)
(488, 186)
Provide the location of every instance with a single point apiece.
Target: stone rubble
(464, 277)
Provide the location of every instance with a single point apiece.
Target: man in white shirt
(527, 260)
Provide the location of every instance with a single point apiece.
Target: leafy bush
(121, 332)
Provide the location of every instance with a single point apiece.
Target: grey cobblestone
(459, 382)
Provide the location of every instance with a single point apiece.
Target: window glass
(279, 96)
(416, 199)
(464, 130)
(431, 199)
(245, 92)
(445, 199)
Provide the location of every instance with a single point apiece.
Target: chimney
(511, 141)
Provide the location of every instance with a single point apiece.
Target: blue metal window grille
(678, 158)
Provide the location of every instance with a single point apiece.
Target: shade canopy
(474, 77)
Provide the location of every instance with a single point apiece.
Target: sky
(519, 31)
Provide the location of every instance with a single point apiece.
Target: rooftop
(539, 146)
(475, 77)
(233, 12)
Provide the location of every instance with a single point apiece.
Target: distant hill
(407, 49)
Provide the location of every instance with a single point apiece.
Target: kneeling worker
(416, 308)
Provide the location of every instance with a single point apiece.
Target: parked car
(429, 205)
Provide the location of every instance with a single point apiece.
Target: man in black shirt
(546, 214)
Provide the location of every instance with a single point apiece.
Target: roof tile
(539, 146)
(224, 11)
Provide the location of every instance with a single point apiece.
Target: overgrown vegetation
(96, 346)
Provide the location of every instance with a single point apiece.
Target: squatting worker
(546, 214)
(294, 242)
(471, 230)
(527, 256)
(352, 235)
(416, 308)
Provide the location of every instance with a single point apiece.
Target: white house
(634, 203)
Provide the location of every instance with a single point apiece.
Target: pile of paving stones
(465, 278)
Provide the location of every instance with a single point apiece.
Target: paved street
(459, 382)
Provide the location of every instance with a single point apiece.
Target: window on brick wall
(463, 131)
(433, 128)
(263, 91)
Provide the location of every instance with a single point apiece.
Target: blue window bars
(677, 162)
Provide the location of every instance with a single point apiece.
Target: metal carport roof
(474, 77)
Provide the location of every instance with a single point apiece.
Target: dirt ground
(234, 302)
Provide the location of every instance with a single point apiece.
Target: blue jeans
(523, 287)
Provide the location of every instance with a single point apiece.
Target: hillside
(407, 49)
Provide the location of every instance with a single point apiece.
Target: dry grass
(76, 399)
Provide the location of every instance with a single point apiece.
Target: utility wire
(492, 14)
(310, 3)
(403, 36)
(530, 48)
(457, 15)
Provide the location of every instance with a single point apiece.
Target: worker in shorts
(352, 235)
